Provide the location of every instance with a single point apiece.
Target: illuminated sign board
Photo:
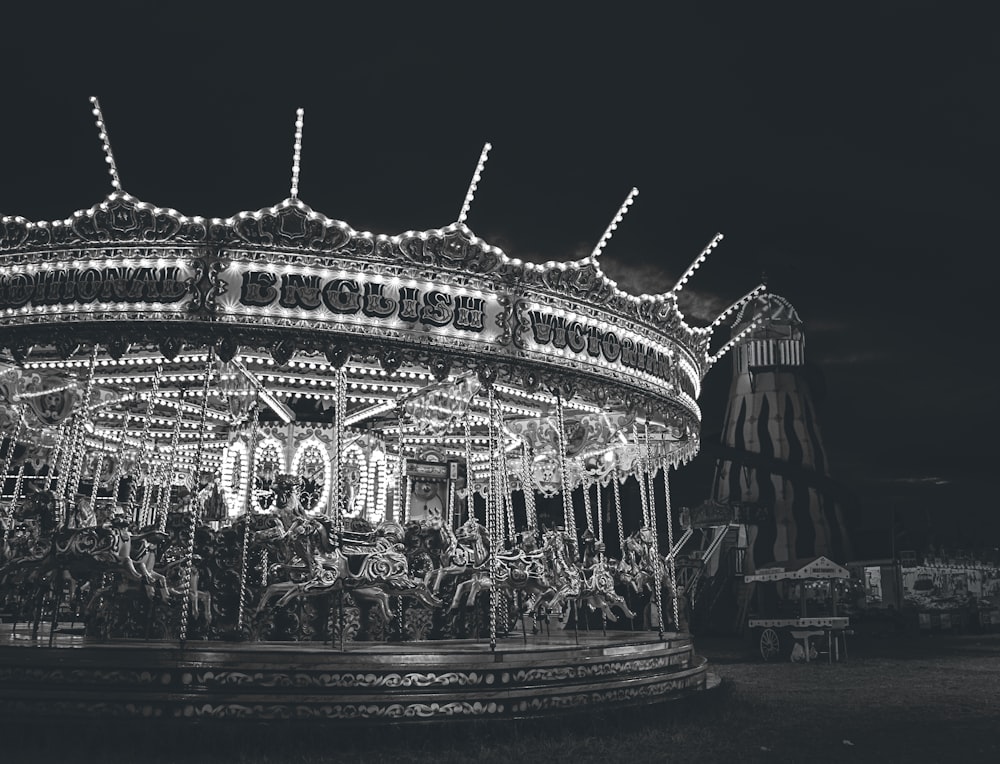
(138, 282)
(359, 299)
(596, 342)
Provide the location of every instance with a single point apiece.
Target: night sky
(850, 153)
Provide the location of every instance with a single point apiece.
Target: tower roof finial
(476, 176)
(609, 231)
(102, 133)
(297, 152)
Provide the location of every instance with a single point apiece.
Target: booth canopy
(806, 568)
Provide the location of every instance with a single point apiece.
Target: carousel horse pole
(9, 459)
(133, 487)
(247, 505)
(71, 487)
(600, 547)
(492, 515)
(338, 484)
(620, 522)
(649, 471)
(54, 454)
(186, 588)
(468, 469)
(671, 568)
(116, 481)
(567, 495)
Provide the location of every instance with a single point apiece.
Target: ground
(906, 698)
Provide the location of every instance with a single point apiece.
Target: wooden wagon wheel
(770, 644)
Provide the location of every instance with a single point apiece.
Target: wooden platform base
(409, 682)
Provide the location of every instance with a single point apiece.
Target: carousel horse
(598, 592)
(201, 599)
(85, 553)
(590, 583)
(638, 566)
(375, 576)
(518, 571)
(424, 543)
(89, 553)
(75, 560)
(373, 567)
(466, 551)
(28, 538)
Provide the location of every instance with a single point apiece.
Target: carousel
(269, 466)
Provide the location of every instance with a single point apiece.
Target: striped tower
(771, 454)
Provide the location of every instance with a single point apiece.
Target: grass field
(900, 699)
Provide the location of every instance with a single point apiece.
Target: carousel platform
(401, 683)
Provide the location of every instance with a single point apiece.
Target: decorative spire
(102, 133)
(476, 176)
(760, 288)
(614, 223)
(297, 152)
(696, 264)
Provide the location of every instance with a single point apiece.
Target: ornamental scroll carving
(452, 250)
(291, 224)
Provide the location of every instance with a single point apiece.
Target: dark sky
(848, 152)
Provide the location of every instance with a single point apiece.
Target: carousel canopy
(131, 311)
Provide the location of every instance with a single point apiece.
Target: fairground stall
(796, 602)
(268, 466)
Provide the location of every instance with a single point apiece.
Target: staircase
(708, 576)
(693, 567)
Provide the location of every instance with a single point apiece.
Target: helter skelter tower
(772, 456)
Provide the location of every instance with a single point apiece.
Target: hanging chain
(247, 516)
